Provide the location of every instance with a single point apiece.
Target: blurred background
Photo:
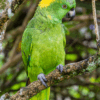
(80, 44)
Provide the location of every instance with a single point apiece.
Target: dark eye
(64, 6)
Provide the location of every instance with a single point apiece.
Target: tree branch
(4, 16)
(20, 29)
(70, 70)
(15, 5)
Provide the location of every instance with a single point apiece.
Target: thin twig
(79, 26)
(95, 20)
(81, 18)
(11, 62)
(13, 51)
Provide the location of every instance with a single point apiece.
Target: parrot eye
(64, 6)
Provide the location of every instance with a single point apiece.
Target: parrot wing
(27, 45)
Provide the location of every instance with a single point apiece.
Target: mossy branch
(70, 70)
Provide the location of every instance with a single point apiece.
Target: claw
(60, 68)
(42, 78)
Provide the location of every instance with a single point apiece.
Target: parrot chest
(48, 50)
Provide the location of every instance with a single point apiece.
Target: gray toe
(60, 68)
(42, 78)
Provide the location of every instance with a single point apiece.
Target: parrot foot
(60, 68)
(42, 78)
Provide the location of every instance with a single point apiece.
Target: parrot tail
(43, 95)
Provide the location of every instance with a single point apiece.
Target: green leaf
(71, 57)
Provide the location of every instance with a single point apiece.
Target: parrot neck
(53, 19)
(47, 16)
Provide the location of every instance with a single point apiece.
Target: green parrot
(43, 41)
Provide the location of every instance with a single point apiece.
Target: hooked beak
(71, 14)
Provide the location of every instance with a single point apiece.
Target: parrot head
(57, 9)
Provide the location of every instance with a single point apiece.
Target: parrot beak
(71, 14)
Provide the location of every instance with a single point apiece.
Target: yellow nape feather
(49, 17)
(45, 3)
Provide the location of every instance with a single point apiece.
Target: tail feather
(43, 95)
(28, 82)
